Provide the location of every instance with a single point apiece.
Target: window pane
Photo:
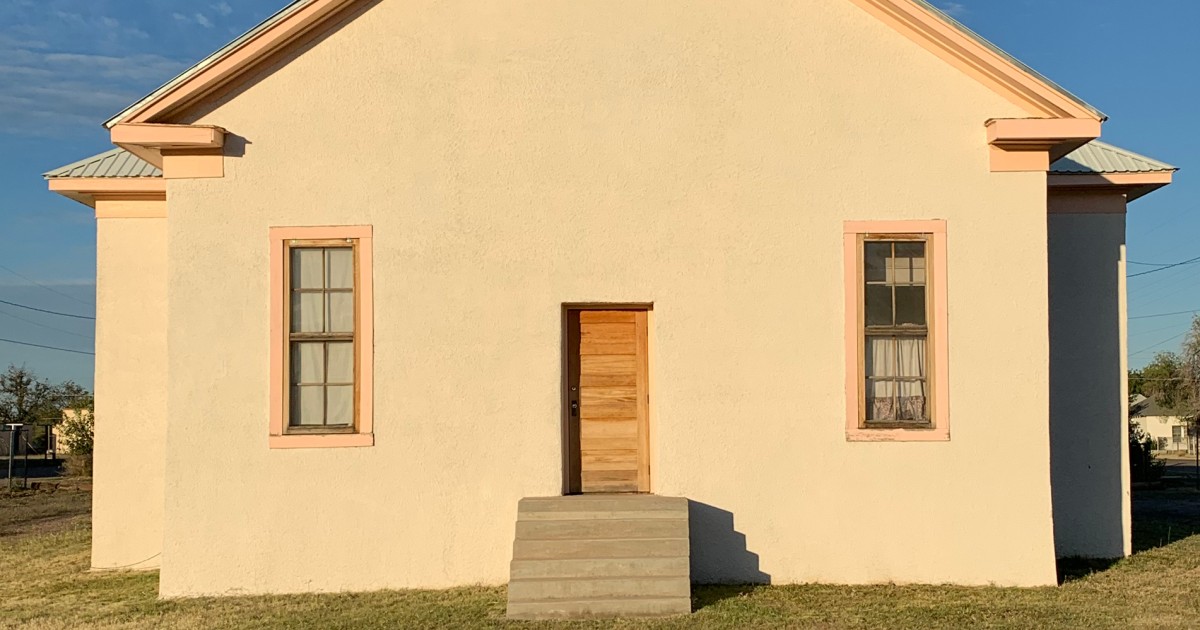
(896, 384)
(876, 253)
(341, 312)
(341, 405)
(910, 305)
(341, 363)
(308, 312)
(308, 268)
(341, 268)
(910, 262)
(308, 363)
(879, 305)
(308, 406)
(910, 359)
(880, 401)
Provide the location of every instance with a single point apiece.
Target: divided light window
(322, 344)
(895, 331)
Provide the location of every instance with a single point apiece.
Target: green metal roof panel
(1101, 157)
(114, 163)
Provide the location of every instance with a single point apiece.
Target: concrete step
(591, 568)
(598, 588)
(600, 556)
(601, 608)
(597, 549)
(603, 502)
(598, 515)
(602, 529)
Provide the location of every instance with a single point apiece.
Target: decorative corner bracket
(181, 151)
(1033, 144)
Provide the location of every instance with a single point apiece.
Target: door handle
(574, 408)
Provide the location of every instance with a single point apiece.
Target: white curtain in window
(896, 400)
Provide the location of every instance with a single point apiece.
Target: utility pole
(12, 451)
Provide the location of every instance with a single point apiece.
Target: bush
(78, 430)
(1144, 466)
(79, 466)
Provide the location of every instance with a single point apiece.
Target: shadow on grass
(705, 595)
(1161, 516)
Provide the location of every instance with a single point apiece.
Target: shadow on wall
(235, 145)
(719, 553)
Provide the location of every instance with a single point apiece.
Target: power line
(1160, 343)
(1166, 267)
(1165, 315)
(42, 310)
(50, 289)
(46, 326)
(36, 345)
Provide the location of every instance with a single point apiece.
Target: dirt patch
(43, 511)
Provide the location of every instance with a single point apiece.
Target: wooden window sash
(912, 331)
(325, 338)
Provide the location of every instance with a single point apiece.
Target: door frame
(571, 468)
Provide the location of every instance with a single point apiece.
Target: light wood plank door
(609, 400)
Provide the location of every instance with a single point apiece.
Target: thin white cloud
(956, 9)
(223, 8)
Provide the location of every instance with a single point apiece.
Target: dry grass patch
(46, 586)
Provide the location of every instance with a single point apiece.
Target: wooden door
(608, 398)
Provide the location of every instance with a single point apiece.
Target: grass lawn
(45, 584)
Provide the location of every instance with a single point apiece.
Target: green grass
(45, 584)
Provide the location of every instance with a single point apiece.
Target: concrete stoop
(600, 556)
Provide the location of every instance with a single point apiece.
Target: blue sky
(67, 65)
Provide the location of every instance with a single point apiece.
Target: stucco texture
(516, 156)
(1089, 426)
(131, 389)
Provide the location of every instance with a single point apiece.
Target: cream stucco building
(378, 270)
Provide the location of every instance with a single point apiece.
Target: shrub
(78, 430)
(79, 466)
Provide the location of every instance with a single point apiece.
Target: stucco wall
(131, 391)
(516, 156)
(1088, 409)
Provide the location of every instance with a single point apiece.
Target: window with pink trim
(321, 337)
(896, 331)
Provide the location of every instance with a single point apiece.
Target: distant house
(1169, 431)
(57, 443)
(380, 277)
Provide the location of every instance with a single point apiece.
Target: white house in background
(1168, 431)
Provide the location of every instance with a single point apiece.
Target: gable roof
(110, 164)
(919, 20)
(983, 41)
(1101, 157)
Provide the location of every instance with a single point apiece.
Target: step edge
(603, 578)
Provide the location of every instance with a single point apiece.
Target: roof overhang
(956, 44)
(1131, 185)
(280, 30)
(181, 151)
(915, 19)
(90, 190)
(1033, 144)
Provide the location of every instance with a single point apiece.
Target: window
(896, 331)
(322, 339)
(321, 336)
(1177, 434)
